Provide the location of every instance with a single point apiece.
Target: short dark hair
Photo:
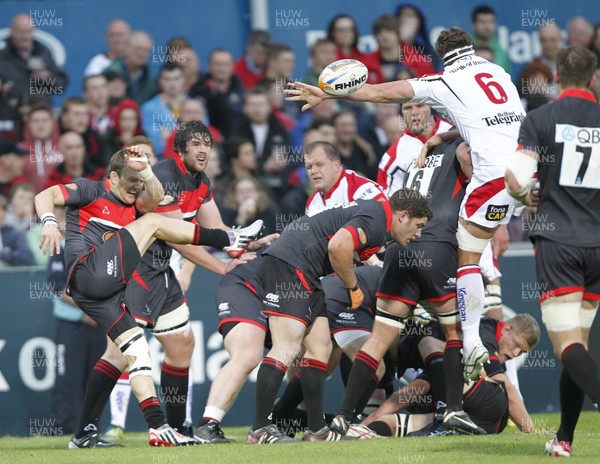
(256, 90)
(71, 101)
(117, 162)
(168, 67)
(451, 39)
(218, 50)
(575, 66)
(385, 23)
(259, 37)
(189, 131)
(140, 139)
(412, 201)
(333, 154)
(276, 49)
(41, 106)
(481, 10)
(86, 79)
(231, 146)
(320, 42)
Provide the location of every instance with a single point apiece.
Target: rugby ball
(343, 77)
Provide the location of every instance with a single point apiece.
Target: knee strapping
(136, 347)
(561, 316)
(452, 318)
(390, 319)
(468, 242)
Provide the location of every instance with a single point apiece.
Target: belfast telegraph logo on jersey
(505, 117)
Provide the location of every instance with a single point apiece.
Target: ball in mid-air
(343, 77)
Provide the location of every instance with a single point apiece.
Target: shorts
(98, 281)
(408, 345)
(152, 294)
(486, 403)
(340, 317)
(419, 271)
(563, 269)
(237, 301)
(288, 293)
(486, 201)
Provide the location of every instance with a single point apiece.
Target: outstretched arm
(45, 202)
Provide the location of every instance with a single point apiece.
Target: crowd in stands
(256, 167)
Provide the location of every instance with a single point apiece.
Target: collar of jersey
(578, 93)
(328, 194)
(499, 328)
(179, 163)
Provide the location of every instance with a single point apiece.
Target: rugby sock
(453, 374)
(434, 366)
(101, 381)
(174, 387)
(471, 297)
(345, 368)
(582, 368)
(312, 378)
(571, 402)
(119, 401)
(213, 414)
(363, 370)
(190, 396)
(268, 381)
(216, 238)
(366, 396)
(152, 412)
(291, 398)
(381, 428)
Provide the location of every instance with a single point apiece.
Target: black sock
(571, 402)
(370, 388)
(434, 366)
(101, 381)
(345, 368)
(381, 428)
(453, 373)
(312, 378)
(268, 381)
(174, 387)
(216, 238)
(152, 412)
(287, 403)
(363, 370)
(582, 368)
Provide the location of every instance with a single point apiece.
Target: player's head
(417, 117)
(124, 182)
(146, 145)
(453, 44)
(193, 142)
(410, 213)
(575, 67)
(519, 335)
(323, 164)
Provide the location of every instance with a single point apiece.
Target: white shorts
(486, 201)
(488, 265)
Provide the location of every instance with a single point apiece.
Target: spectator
(42, 142)
(579, 32)
(192, 110)
(535, 81)
(133, 68)
(222, 90)
(483, 21)
(188, 59)
(374, 133)
(11, 166)
(75, 163)
(128, 124)
(595, 47)
(159, 114)
(10, 119)
(322, 53)
(21, 213)
(280, 63)
(116, 39)
(79, 344)
(356, 153)
(95, 89)
(214, 171)
(595, 87)
(266, 132)
(14, 250)
(551, 42)
(485, 52)
(306, 119)
(28, 65)
(146, 145)
(240, 157)
(74, 116)
(250, 68)
(246, 201)
(342, 31)
(416, 50)
(385, 29)
(284, 111)
(117, 88)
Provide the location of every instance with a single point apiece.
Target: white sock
(470, 294)
(190, 394)
(119, 402)
(511, 373)
(211, 412)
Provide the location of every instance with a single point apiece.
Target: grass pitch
(510, 447)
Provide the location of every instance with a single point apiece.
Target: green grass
(510, 447)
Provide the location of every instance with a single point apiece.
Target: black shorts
(288, 293)
(341, 318)
(152, 293)
(237, 301)
(98, 281)
(419, 271)
(408, 344)
(486, 403)
(563, 269)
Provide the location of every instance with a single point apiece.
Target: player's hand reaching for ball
(356, 297)
(299, 91)
(136, 158)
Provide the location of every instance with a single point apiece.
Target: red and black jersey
(490, 331)
(94, 213)
(566, 135)
(189, 194)
(304, 243)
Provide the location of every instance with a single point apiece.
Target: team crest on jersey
(362, 237)
(106, 210)
(496, 212)
(107, 235)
